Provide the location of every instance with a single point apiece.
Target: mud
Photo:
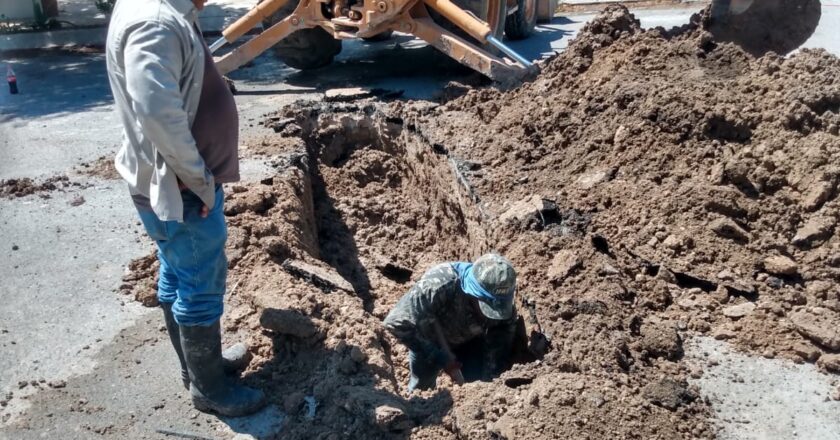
(648, 186)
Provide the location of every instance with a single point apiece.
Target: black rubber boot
(234, 359)
(211, 390)
(175, 337)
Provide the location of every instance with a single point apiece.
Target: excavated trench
(360, 208)
(387, 205)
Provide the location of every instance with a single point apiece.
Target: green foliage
(105, 6)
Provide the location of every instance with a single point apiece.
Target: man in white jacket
(180, 145)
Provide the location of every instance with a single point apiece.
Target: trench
(387, 205)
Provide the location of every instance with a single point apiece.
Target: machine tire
(521, 23)
(545, 10)
(304, 49)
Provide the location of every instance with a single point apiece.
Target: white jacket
(155, 59)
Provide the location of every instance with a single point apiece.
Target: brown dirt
(12, 188)
(648, 186)
(102, 167)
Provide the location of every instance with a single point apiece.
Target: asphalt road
(60, 318)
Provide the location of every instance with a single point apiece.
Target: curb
(85, 36)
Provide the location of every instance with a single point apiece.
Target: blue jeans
(193, 267)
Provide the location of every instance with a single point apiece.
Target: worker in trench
(180, 143)
(459, 318)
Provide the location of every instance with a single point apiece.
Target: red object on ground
(10, 77)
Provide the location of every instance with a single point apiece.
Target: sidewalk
(83, 25)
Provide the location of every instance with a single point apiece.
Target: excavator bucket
(762, 26)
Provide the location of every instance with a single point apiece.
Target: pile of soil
(648, 186)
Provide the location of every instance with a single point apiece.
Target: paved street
(61, 319)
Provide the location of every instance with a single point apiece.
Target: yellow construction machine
(307, 34)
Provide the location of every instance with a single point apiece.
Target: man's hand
(205, 210)
(453, 370)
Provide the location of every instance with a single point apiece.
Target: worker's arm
(154, 60)
(412, 323)
(499, 343)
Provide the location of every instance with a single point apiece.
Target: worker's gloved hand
(453, 370)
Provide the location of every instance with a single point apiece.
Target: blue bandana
(470, 285)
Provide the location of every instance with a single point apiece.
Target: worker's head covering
(492, 280)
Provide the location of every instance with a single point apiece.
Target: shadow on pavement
(52, 84)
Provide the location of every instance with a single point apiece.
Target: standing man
(180, 145)
(452, 309)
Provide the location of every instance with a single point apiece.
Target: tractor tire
(546, 10)
(521, 23)
(305, 49)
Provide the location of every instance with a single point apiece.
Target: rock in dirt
(238, 356)
(389, 419)
(660, 341)
(588, 181)
(529, 207)
(806, 351)
(288, 322)
(815, 230)
(818, 194)
(727, 228)
(823, 327)
(668, 393)
(77, 200)
(739, 310)
(780, 265)
(830, 363)
(563, 264)
(325, 279)
(724, 334)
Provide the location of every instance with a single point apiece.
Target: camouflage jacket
(437, 298)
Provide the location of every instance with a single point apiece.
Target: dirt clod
(818, 325)
(668, 394)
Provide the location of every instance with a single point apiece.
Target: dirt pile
(11, 188)
(709, 178)
(648, 185)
